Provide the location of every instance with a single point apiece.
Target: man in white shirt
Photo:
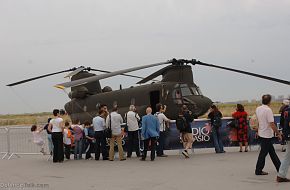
(132, 119)
(99, 127)
(266, 131)
(114, 121)
(163, 122)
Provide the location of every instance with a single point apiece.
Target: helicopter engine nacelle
(79, 93)
(92, 87)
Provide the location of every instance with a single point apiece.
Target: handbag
(108, 131)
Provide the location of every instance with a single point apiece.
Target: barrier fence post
(4, 149)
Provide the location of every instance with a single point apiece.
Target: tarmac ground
(203, 170)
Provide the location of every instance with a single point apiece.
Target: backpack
(70, 135)
(181, 123)
(254, 124)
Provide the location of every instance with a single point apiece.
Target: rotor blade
(79, 69)
(39, 77)
(103, 76)
(154, 75)
(127, 75)
(194, 62)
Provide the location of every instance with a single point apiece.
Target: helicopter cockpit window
(185, 91)
(194, 91)
(188, 91)
(198, 90)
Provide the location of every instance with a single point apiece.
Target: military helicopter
(175, 89)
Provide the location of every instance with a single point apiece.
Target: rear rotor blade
(103, 76)
(39, 77)
(127, 75)
(194, 62)
(76, 71)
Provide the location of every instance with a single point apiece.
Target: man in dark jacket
(186, 134)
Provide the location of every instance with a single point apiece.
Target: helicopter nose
(205, 104)
(200, 105)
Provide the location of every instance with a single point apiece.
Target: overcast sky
(44, 36)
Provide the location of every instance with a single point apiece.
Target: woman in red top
(242, 126)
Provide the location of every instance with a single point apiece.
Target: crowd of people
(91, 137)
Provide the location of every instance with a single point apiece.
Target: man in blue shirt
(150, 133)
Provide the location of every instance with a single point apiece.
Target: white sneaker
(185, 154)
(42, 151)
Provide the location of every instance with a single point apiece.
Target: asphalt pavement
(203, 170)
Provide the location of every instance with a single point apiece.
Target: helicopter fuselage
(171, 94)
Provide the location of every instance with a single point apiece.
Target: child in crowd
(78, 138)
(37, 139)
(90, 140)
(67, 134)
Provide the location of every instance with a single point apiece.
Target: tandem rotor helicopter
(175, 89)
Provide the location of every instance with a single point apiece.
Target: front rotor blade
(194, 62)
(39, 77)
(103, 76)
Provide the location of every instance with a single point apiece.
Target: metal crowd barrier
(16, 141)
(4, 142)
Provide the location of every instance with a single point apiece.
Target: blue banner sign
(203, 137)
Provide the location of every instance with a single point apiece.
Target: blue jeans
(218, 143)
(78, 149)
(285, 163)
(50, 145)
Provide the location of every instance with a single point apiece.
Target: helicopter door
(154, 99)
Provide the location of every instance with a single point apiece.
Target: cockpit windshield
(188, 91)
(181, 91)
